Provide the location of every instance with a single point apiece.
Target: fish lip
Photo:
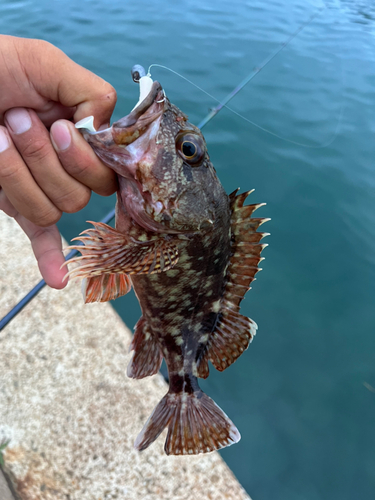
(127, 130)
(142, 107)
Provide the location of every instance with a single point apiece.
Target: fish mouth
(131, 127)
(126, 147)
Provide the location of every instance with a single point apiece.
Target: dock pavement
(68, 409)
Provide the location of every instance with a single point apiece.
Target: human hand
(44, 174)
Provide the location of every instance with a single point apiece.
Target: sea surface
(303, 395)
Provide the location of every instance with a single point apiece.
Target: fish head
(166, 180)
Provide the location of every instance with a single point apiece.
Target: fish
(190, 252)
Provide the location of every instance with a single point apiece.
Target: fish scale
(190, 252)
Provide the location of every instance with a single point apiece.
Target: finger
(66, 82)
(20, 187)
(47, 247)
(53, 112)
(34, 144)
(46, 244)
(5, 205)
(79, 159)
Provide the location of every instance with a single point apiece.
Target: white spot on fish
(216, 306)
(172, 273)
(142, 237)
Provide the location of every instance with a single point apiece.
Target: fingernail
(60, 135)
(4, 141)
(19, 120)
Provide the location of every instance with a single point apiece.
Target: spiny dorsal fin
(246, 248)
(108, 251)
(147, 356)
(233, 331)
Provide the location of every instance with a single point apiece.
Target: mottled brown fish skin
(181, 305)
(190, 251)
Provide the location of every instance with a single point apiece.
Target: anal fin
(147, 356)
(202, 366)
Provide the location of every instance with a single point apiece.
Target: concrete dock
(69, 410)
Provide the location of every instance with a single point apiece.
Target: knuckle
(109, 95)
(80, 203)
(10, 171)
(76, 168)
(74, 202)
(36, 149)
(43, 44)
(47, 218)
(107, 190)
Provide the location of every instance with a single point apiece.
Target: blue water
(303, 395)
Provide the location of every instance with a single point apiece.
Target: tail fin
(195, 425)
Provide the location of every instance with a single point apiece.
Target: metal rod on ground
(23, 302)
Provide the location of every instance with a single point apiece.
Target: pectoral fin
(105, 287)
(108, 251)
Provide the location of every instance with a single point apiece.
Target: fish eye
(191, 148)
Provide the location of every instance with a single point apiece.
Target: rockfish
(190, 252)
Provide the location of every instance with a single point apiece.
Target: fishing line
(18, 307)
(243, 83)
(23, 302)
